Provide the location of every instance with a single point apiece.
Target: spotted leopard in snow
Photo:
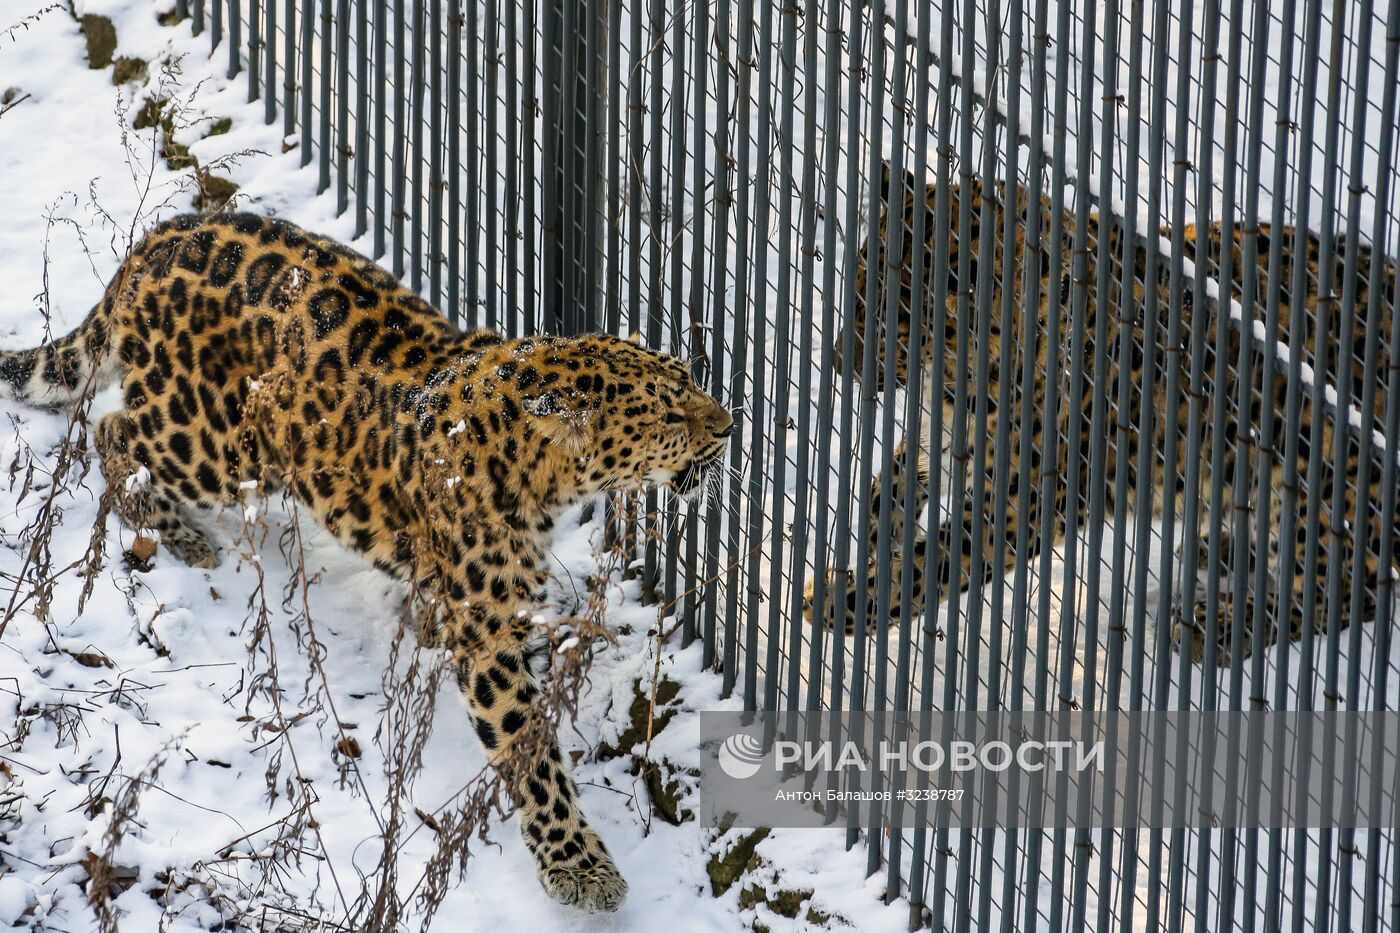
(1113, 341)
(252, 352)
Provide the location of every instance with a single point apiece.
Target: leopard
(967, 552)
(253, 353)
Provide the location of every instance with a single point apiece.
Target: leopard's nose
(724, 423)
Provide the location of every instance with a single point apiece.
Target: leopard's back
(1110, 388)
(254, 353)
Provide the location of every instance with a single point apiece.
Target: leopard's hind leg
(1207, 616)
(1338, 583)
(141, 501)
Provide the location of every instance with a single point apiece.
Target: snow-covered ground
(150, 696)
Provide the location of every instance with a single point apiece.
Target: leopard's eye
(673, 417)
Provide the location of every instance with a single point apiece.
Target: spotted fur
(250, 351)
(968, 552)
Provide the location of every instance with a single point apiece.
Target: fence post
(574, 114)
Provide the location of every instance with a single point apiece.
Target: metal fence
(1138, 432)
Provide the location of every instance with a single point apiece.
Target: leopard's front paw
(1191, 640)
(190, 547)
(1189, 634)
(589, 883)
(833, 603)
(841, 602)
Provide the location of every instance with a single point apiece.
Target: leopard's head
(626, 416)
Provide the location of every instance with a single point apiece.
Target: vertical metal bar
(1011, 337)
(529, 221)
(381, 125)
(655, 319)
(362, 94)
(1008, 349)
(855, 68)
(397, 203)
(679, 319)
(1052, 456)
(857, 698)
(830, 330)
(483, 133)
(917, 397)
(1248, 300)
(235, 37)
(594, 203)
(703, 564)
(1136, 435)
(552, 206)
(574, 172)
(1098, 427)
(435, 143)
(1171, 470)
(291, 16)
(1348, 594)
(566, 133)
(807, 222)
(454, 167)
(216, 32)
(744, 63)
(655, 138)
(1031, 338)
(197, 26)
(939, 430)
(1264, 496)
(1288, 508)
(1312, 598)
(255, 44)
(774, 697)
(327, 144)
(725, 382)
(1077, 444)
(1147, 441)
(615, 162)
(308, 42)
(270, 63)
(1385, 546)
(1111, 346)
(420, 118)
(636, 171)
(512, 231)
(752, 292)
(342, 101)
(679, 323)
(896, 229)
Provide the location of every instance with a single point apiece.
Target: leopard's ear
(634, 337)
(567, 428)
(886, 177)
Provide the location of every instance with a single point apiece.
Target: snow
(152, 691)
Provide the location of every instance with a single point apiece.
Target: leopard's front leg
(503, 698)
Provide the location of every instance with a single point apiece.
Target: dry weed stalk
(12, 31)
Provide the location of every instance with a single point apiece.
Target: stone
(101, 38)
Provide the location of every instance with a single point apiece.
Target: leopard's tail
(60, 373)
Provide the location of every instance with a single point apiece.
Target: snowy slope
(246, 800)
